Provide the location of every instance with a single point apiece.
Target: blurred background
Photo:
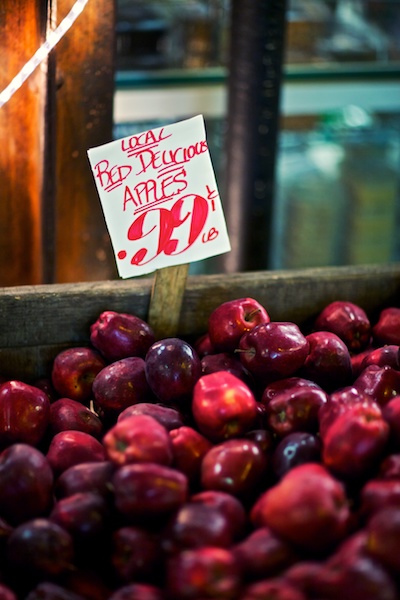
(336, 190)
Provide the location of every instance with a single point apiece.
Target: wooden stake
(166, 300)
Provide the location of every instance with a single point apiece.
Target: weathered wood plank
(22, 28)
(37, 321)
(84, 100)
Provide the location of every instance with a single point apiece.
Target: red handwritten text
(111, 177)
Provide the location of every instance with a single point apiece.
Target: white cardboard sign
(160, 198)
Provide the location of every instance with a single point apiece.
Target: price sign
(160, 198)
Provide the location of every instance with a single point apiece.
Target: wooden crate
(38, 321)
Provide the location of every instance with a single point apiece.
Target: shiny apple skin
(236, 466)
(380, 383)
(188, 449)
(172, 369)
(348, 321)
(223, 406)
(119, 335)
(71, 447)
(73, 372)
(273, 350)
(138, 438)
(86, 477)
(295, 449)
(26, 484)
(387, 329)
(24, 413)
(121, 384)
(328, 362)
(230, 320)
(169, 417)
(70, 414)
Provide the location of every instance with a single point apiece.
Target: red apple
(71, 447)
(230, 320)
(147, 490)
(24, 413)
(138, 591)
(328, 362)
(73, 372)
(356, 441)
(169, 417)
(119, 335)
(377, 494)
(188, 449)
(139, 438)
(70, 414)
(229, 505)
(195, 525)
(225, 361)
(26, 484)
(383, 541)
(390, 467)
(202, 573)
(384, 355)
(273, 350)
(203, 345)
(86, 477)
(308, 507)
(121, 384)
(172, 370)
(275, 587)
(264, 554)
(237, 466)
(293, 408)
(391, 414)
(387, 329)
(348, 321)
(381, 383)
(47, 590)
(295, 449)
(337, 403)
(135, 553)
(223, 406)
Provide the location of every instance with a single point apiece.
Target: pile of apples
(258, 462)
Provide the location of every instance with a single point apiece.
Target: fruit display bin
(38, 321)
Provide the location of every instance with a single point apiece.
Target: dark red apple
(202, 573)
(295, 449)
(188, 448)
(48, 590)
(203, 345)
(24, 413)
(73, 372)
(237, 466)
(381, 383)
(391, 414)
(387, 329)
(86, 477)
(195, 525)
(138, 591)
(39, 548)
(135, 553)
(71, 447)
(225, 361)
(293, 408)
(147, 490)
(169, 417)
(228, 505)
(70, 414)
(230, 320)
(383, 541)
(121, 384)
(308, 507)
(356, 441)
(223, 406)
(390, 467)
(172, 370)
(273, 350)
(328, 362)
(138, 438)
(348, 321)
(384, 355)
(119, 335)
(263, 554)
(276, 587)
(377, 494)
(357, 360)
(337, 403)
(26, 484)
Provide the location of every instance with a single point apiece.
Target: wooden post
(22, 124)
(51, 223)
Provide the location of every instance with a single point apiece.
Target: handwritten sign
(160, 198)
